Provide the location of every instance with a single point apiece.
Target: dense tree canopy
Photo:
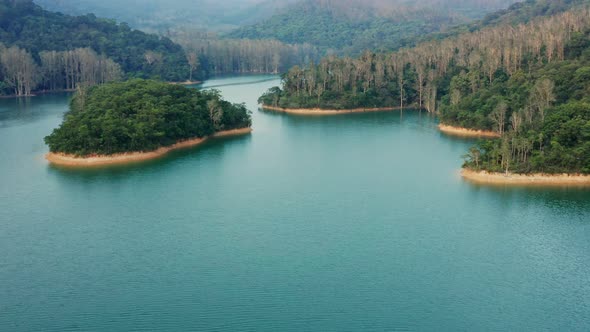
(161, 15)
(217, 55)
(521, 81)
(52, 51)
(518, 13)
(27, 26)
(350, 27)
(558, 144)
(141, 115)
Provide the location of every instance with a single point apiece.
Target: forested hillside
(160, 15)
(350, 27)
(526, 82)
(47, 51)
(214, 55)
(517, 13)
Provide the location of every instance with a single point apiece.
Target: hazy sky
(227, 14)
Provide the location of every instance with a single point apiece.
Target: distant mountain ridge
(160, 15)
(351, 26)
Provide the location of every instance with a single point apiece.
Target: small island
(138, 120)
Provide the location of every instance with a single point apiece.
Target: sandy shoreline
(186, 83)
(464, 132)
(484, 177)
(319, 111)
(124, 158)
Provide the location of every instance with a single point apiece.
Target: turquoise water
(352, 223)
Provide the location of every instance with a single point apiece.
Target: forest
(513, 79)
(160, 15)
(213, 55)
(517, 13)
(51, 51)
(353, 26)
(141, 115)
(46, 51)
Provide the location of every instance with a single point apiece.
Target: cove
(359, 222)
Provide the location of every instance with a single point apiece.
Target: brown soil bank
(464, 132)
(490, 178)
(319, 111)
(132, 157)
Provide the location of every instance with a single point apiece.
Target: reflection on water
(212, 147)
(14, 111)
(357, 222)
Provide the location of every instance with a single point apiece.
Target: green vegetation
(517, 13)
(331, 31)
(559, 144)
(161, 15)
(529, 83)
(352, 27)
(53, 50)
(46, 51)
(141, 115)
(215, 55)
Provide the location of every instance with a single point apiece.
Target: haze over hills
(517, 13)
(302, 33)
(279, 19)
(351, 26)
(345, 27)
(159, 15)
(42, 50)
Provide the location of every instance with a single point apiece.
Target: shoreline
(62, 159)
(38, 93)
(536, 179)
(319, 111)
(186, 83)
(465, 132)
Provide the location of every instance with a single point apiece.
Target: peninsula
(138, 120)
(531, 106)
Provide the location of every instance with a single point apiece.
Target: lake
(357, 222)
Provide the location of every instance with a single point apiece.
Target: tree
(498, 116)
(193, 62)
(516, 120)
(20, 70)
(215, 113)
(542, 96)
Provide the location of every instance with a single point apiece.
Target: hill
(517, 13)
(161, 15)
(350, 27)
(528, 83)
(26, 25)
